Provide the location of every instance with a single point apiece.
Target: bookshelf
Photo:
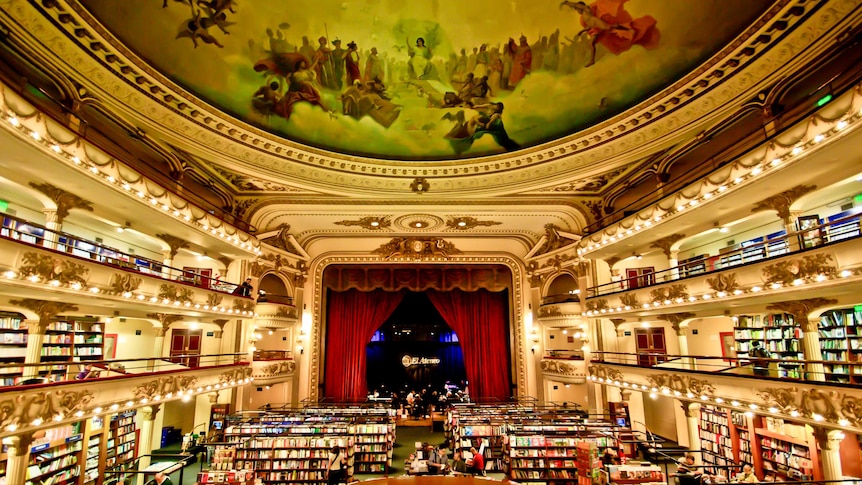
(71, 339)
(93, 452)
(716, 440)
(13, 346)
(780, 335)
(740, 425)
(373, 451)
(840, 333)
(121, 445)
(787, 449)
(478, 431)
(55, 457)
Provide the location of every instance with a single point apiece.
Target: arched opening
(414, 350)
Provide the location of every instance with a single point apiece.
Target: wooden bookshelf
(787, 449)
(780, 335)
(13, 346)
(71, 339)
(840, 333)
(56, 457)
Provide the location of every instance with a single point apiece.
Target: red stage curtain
(353, 316)
(479, 319)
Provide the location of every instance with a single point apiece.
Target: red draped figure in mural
(608, 23)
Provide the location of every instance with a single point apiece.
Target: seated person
(476, 464)
(459, 466)
(687, 472)
(438, 462)
(747, 476)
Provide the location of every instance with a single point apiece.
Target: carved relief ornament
(681, 384)
(50, 268)
(675, 292)
(604, 372)
(163, 386)
(22, 409)
(417, 248)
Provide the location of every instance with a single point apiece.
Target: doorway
(651, 346)
(186, 343)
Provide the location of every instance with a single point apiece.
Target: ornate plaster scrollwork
(49, 268)
(285, 313)
(173, 293)
(562, 368)
(243, 306)
(125, 283)
(214, 300)
(164, 386)
(597, 305)
(682, 384)
(723, 282)
(417, 247)
(630, 300)
(278, 368)
(550, 311)
(787, 271)
(605, 372)
(235, 375)
(819, 404)
(669, 292)
(22, 409)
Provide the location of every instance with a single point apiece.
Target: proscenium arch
(517, 344)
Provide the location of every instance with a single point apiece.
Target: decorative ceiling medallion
(418, 222)
(417, 248)
(371, 223)
(466, 223)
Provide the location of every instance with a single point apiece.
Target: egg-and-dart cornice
(140, 91)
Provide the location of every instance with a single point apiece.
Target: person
(522, 60)
(476, 465)
(747, 476)
(758, 359)
(87, 373)
(419, 65)
(488, 121)
(459, 466)
(610, 457)
(351, 61)
(438, 462)
(244, 289)
(337, 466)
(162, 479)
(687, 472)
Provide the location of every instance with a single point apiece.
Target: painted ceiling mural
(425, 80)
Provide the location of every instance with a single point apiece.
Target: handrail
(725, 260)
(260, 355)
(802, 369)
(735, 150)
(264, 297)
(65, 243)
(50, 373)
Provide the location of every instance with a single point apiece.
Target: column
(145, 443)
(158, 346)
(793, 243)
(682, 336)
(692, 418)
(218, 334)
(16, 458)
(814, 371)
(52, 222)
(35, 338)
(829, 441)
(673, 262)
(168, 262)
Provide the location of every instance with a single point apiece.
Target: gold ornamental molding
(125, 283)
(277, 369)
(723, 283)
(669, 293)
(66, 201)
(372, 223)
(417, 248)
(49, 268)
(782, 202)
(681, 385)
(550, 311)
(243, 306)
(570, 371)
(21, 410)
(787, 271)
(666, 243)
(46, 310)
(173, 293)
(630, 300)
(235, 375)
(831, 405)
(467, 223)
(739, 68)
(597, 305)
(165, 387)
(214, 299)
(801, 309)
(175, 243)
(604, 373)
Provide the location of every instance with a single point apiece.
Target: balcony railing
(779, 369)
(54, 373)
(40, 236)
(813, 237)
(260, 355)
(264, 297)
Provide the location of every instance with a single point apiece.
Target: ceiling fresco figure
(409, 70)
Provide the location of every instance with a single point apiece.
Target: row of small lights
(129, 295)
(185, 396)
(691, 203)
(748, 408)
(718, 295)
(233, 239)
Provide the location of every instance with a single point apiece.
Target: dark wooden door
(187, 343)
(651, 346)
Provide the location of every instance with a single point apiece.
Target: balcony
(718, 381)
(107, 386)
(823, 266)
(272, 367)
(564, 366)
(34, 260)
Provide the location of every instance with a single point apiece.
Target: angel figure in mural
(302, 88)
(196, 28)
(607, 22)
(218, 6)
(489, 121)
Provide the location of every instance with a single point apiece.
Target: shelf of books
(740, 426)
(470, 432)
(780, 335)
(715, 440)
(840, 333)
(93, 465)
(787, 449)
(13, 347)
(55, 457)
(636, 474)
(374, 444)
(71, 339)
(121, 445)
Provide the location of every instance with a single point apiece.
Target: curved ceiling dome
(432, 80)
